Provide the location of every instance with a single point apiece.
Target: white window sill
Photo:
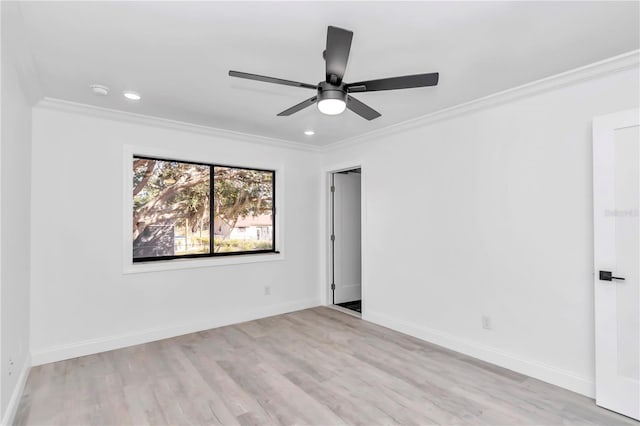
(169, 265)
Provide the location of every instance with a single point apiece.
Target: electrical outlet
(486, 322)
(267, 290)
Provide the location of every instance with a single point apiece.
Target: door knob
(608, 276)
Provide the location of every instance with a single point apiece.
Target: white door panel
(617, 250)
(347, 248)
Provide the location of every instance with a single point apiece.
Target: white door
(347, 222)
(616, 188)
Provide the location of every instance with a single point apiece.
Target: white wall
(500, 204)
(82, 302)
(15, 177)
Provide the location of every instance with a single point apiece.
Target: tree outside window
(183, 209)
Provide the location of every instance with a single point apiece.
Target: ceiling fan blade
(361, 109)
(271, 80)
(302, 105)
(393, 83)
(337, 53)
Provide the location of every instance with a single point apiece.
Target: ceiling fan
(333, 94)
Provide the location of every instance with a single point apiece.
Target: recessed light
(132, 96)
(309, 132)
(99, 89)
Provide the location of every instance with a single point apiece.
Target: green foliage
(241, 192)
(179, 193)
(195, 245)
(187, 202)
(226, 246)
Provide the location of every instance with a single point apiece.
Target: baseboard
(14, 401)
(547, 373)
(103, 344)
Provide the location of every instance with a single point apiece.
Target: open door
(616, 186)
(346, 240)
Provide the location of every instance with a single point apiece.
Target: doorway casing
(325, 230)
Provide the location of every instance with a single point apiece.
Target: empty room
(320, 213)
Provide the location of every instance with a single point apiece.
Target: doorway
(346, 233)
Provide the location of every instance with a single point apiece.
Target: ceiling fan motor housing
(329, 91)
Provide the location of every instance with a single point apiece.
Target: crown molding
(608, 66)
(149, 120)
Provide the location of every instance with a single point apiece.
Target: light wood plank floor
(316, 366)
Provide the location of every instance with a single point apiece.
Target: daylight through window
(183, 209)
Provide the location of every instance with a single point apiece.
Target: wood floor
(317, 366)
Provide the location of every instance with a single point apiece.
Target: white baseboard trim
(103, 344)
(547, 373)
(14, 401)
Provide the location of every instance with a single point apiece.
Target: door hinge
(333, 188)
(333, 237)
(333, 286)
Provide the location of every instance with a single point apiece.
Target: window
(184, 210)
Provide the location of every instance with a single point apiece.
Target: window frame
(133, 154)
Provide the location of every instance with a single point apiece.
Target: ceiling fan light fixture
(332, 106)
(332, 100)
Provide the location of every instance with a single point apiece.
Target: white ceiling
(177, 55)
